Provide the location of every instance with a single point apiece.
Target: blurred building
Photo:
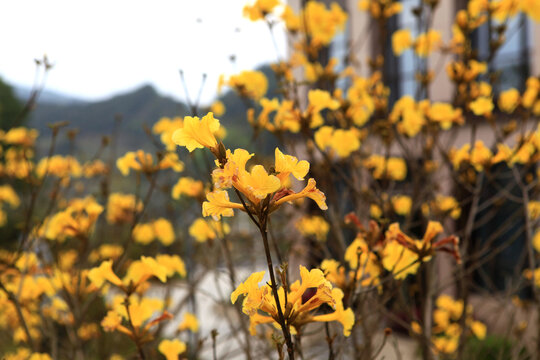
(515, 61)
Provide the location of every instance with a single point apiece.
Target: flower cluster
(299, 304)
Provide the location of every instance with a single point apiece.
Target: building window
(511, 61)
(400, 71)
(499, 241)
(339, 49)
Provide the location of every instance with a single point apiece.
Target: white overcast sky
(103, 47)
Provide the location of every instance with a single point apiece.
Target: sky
(103, 47)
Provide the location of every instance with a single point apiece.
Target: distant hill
(95, 119)
(46, 96)
(137, 108)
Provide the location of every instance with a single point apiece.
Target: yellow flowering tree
(378, 207)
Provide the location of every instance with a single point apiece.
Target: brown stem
(273, 284)
(530, 251)
(232, 278)
(330, 341)
(463, 279)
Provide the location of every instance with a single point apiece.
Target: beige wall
(535, 51)
(442, 88)
(361, 36)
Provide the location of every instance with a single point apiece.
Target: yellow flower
(412, 122)
(140, 270)
(164, 231)
(59, 166)
(531, 8)
(67, 259)
(345, 317)
(287, 117)
(334, 272)
(310, 191)
(232, 170)
(476, 7)
(139, 310)
(416, 328)
(458, 156)
(504, 153)
(173, 264)
(445, 115)
(323, 137)
(40, 356)
(396, 168)
(445, 345)
(104, 272)
(259, 9)
(531, 92)
(122, 207)
(523, 154)
(287, 164)
(342, 141)
(534, 209)
(292, 20)
(187, 186)
(166, 124)
(482, 106)
(393, 168)
(313, 226)
(144, 233)
(189, 322)
(321, 99)
(401, 41)
(171, 349)
(217, 108)
(203, 230)
(218, 205)
(18, 162)
(313, 278)
(259, 183)
(399, 260)
(478, 329)
(8, 195)
(21, 136)
(448, 204)
(76, 220)
(375, 211)
(105, 252)
(95, 168)
(249, 83)
(322, 24)
(88, 331)
(453, 307)
(197, 134)
(359, 256)
(481, 89)
(318, 101)
(171, 161)
(480, 155)
(427, 42)
(402, 204)
(166, 127)
(250, 284)
(127, 162)
(111, 321)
